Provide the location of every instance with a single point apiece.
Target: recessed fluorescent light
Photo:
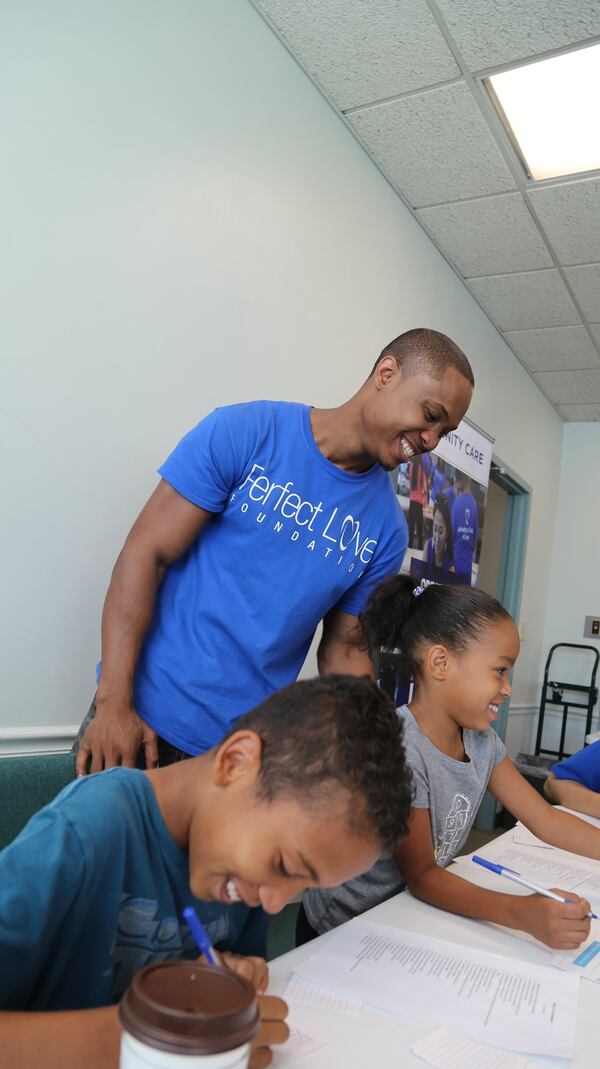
(551, 109)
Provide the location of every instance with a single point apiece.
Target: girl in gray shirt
(459, 644)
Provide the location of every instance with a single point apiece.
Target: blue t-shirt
(464, 530)
(293, 537)
(583, 767)
(91, 891)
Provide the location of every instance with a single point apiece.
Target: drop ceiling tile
(570, 387)
(554, 348)
(488, 236)
(570, 215)
(435, 146)
(364, 50)
(579, 413)
(586, 287)
(529, 299)
(595, 329)
(492, 32)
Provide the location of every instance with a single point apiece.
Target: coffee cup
(187, 1015)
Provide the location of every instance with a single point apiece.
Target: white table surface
(373, 1041)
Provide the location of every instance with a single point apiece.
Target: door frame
(510, 585)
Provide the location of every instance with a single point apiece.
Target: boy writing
(95, 885)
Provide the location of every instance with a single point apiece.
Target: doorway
(501, 568)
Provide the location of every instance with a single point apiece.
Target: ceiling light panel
(550, 108)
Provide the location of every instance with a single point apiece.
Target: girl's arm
(572, 794)
(550, 824)
(558, 925)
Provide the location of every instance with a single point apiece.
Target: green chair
(26, 785)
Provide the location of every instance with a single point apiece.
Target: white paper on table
(313, 994)
(297, 1046)
(585, 961)
(523, 837)
(548, 868)
(446, 1049)
(498, 1000)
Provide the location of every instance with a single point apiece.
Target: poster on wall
(443, 497)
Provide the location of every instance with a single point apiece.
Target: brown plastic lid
(189, 1008)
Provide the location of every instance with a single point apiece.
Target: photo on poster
(442, 495)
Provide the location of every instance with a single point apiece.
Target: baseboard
(49, 739)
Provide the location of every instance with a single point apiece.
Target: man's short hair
(336, 731)
(422, 351)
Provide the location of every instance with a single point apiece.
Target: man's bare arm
(166, 527)
(341, 648)
(572, 795)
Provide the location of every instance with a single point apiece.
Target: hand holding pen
(251, 968)
(560, 919)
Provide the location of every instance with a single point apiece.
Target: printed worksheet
(523, 837)
(445, 1049)
(585, 961)
(495, 999)
(546, 868)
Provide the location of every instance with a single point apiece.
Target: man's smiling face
(406, 416)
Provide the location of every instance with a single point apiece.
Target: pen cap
(189, 1008)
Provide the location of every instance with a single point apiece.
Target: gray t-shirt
(451, 790)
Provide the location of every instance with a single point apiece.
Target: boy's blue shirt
(293, 536)
(92, 890)
(582, 767)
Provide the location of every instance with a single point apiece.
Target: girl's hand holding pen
(560, 925)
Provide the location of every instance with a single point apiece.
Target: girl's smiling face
(439, 534)
(476, 681)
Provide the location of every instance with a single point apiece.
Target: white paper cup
(136, 1055)
(187, 1015)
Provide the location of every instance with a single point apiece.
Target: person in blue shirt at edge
(575, 782)
(269, 517)
(465, 523)
(94, 886)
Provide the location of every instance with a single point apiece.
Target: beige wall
(187, 223)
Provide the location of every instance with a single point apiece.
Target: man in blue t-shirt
(94, 887)
(465, 524)
(575, 782)
(269, 518)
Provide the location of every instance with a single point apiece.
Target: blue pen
(516, 877)
(199, 933)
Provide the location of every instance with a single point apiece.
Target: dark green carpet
(26, 785)
(282, 928)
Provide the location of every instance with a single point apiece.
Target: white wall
(574, 579)
(187, 223)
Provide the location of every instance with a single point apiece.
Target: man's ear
(238, 757)
(437, 661)
(385, 371)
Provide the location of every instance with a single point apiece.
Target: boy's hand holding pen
(255, 970)
(273, 1011)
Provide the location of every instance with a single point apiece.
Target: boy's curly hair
(320, 734)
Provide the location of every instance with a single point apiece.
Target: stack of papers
(497, 1000)
(546, 868)
(446, 1049)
